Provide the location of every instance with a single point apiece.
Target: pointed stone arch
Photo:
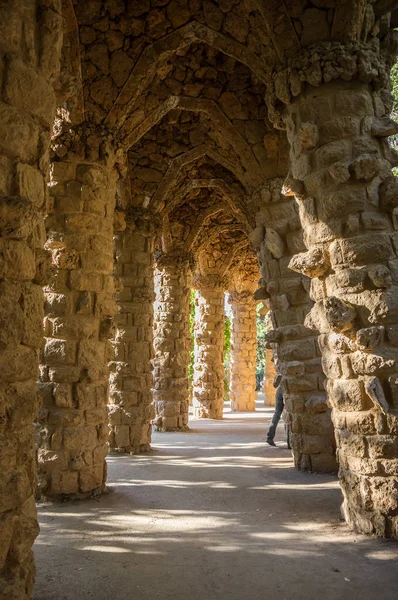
(196, 105)
(158, 199)
(147, 65)
(232, 200)
(200, 223)
(227, 227)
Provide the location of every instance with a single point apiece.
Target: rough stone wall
(208, 377)
(79, 307)
(348, 201)
(171, 340)
(296, 353)
(30, 43)
(243, 351)
(130, 394)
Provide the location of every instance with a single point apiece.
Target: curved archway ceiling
(181, 85)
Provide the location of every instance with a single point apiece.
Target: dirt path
(213, 514)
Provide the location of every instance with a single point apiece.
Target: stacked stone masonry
(208, 375)
(130, 395)
(243, 351)
(30, 44)
(78, 322)
(347, 203)
(295, 348)
(191, 116)
(171, 341)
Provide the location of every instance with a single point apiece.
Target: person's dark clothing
(279, 406)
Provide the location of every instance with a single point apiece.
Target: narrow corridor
(211, 514)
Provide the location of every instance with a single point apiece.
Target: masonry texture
(171, 343)
(237, 142)
(30, 49)
(131, 382)
(243, 351)
(208, 377)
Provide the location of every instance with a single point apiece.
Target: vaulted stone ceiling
(182, 85)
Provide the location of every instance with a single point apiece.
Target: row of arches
(178, 138)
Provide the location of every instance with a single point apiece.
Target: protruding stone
(274, 242)
(340, 315)
(380, 276)
(384, 126)
(388, 192)
(375, 391)
(314, 263)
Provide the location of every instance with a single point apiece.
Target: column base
(243, 407)
(57, 498)
(200, 412)
(164, 429)
(131, 450)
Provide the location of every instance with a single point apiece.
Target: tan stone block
(17, 260)
(57, 304)
(7, 525)
(64, 374)
(19, 133)
(98, 415)
(92, 479)
(122, 436)
(30, 184)
(59, 352)
(64, 482)
(85, 281)
(40, 100)
(63, 395)
(90, 395)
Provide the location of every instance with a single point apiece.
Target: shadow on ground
(212, 514)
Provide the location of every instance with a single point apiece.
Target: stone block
(64, 482)
(30, 185)
(92, 479)
(59, 352)
(20, 134)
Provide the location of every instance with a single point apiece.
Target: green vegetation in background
(227, 355)
(394, 88)
(261, 333)
(192, 336)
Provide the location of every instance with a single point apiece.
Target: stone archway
(157, 105)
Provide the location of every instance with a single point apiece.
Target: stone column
(243, 351)
(171, 340)
(130, 395)
(348, 202)
(278, 237)
(208, 376)
(78, 315)
(31, 41)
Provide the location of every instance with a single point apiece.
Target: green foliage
(192, 335)
(394, 88)
(261, 333)
(227, 355)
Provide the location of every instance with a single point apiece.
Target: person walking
(279, 406)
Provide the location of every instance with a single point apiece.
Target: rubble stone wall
(79, 307)
(30, 42)
(171, 341)
(296, 353)
(348, 199)
(243, 351)
(208, 377)
(130, 395)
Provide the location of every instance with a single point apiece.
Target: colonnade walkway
(211, 514)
